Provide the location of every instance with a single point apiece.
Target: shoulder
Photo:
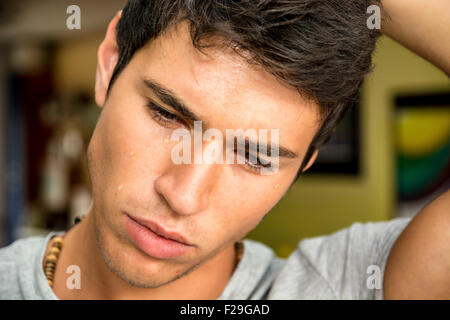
(18, 252)
(13, 252)
(17, 261)
(420, 261)
(254, 274)
(338, 266)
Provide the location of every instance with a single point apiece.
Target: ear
(311, 160)
(107, 56)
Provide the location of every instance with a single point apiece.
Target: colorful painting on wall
(422, 149)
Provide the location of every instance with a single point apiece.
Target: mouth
(154, 240)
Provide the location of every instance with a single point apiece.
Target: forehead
(226, 91)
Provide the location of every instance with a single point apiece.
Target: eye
(254, 167)
(163, 116)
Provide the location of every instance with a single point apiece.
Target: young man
(294, 66)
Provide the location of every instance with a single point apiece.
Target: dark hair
(320, 47)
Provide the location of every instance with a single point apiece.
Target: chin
(134, 267)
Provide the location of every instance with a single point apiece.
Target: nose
(187, 188)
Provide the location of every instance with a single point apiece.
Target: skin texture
(212, 205)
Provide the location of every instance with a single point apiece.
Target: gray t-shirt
(338, 266)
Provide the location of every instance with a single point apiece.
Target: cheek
(244, 201)
(128, 151)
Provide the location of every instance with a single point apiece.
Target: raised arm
(419, 263)
(423, 26)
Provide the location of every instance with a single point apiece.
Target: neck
(80, 248)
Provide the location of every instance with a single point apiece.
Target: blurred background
(389, 157)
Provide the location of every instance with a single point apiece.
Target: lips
(155, 241)
(170, 235)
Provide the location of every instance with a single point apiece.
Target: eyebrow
(282, 151)
(168, 97)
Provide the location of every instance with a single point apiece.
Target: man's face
(211, 205)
